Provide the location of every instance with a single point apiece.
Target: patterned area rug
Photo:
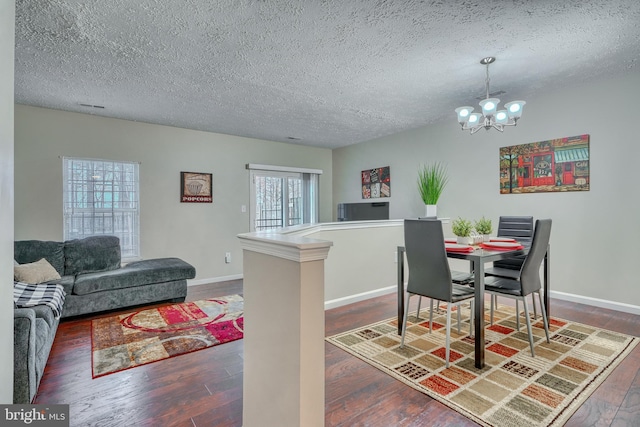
(513, 389)
(133, 339)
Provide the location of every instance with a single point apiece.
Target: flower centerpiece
(462, 229)
(483, 226)
(432, 179)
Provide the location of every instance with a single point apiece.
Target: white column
(7, 47)
(283, 383)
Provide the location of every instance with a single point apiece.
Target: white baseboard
(597, 302)
(339, 302)
(195, 282)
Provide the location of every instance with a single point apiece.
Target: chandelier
(490, 117)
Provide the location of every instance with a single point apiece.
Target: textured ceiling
(329, 72)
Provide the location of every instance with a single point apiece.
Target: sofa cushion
(95, 253)
(35, 272)
(45, 313)
(26, 251)
(134, 274)
(43, 346)
(66, 282)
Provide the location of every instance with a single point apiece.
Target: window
(281, 197)
(102, 197)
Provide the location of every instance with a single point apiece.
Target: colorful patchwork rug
(128, 340)
(514, 388)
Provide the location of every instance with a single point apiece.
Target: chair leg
(471, 318)
(459, 318)
(518, 316)
(448, 336)
(437, 306)
(533, 301)
(431, 315)
(526, 313)
(545, 320)
(404, 322)
(492, 299)
(419, 302)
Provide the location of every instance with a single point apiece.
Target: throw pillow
(35, 272)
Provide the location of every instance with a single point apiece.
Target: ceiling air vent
(92, 106)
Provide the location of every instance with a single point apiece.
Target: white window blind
(102, 197)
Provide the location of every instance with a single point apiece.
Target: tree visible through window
(283, 198)
(101, 197)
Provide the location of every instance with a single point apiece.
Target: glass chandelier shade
(490, 117)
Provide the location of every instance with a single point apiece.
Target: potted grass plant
(462, 229)
(483, 227)
(432, 178)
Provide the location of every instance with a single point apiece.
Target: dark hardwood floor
(205, 388)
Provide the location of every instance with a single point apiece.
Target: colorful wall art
(376, 183)
(547, 166)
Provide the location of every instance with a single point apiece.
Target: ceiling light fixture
(490, 117)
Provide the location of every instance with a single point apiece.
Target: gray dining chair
(430, 275)
(528, 282)
(521, 229)
(459, 277)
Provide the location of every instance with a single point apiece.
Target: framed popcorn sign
(196, 187)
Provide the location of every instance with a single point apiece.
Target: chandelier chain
(486, 82)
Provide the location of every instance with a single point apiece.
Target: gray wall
(197, 232)
(595, 234)
(7, 14)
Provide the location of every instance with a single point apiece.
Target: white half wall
(362, 262)
(199, 233)
(595, 233)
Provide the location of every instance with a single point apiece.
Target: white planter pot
(466, 240)
(430, 211)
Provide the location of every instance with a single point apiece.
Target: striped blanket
(26, 295)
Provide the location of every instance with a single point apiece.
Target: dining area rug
(514, 388)
(137, 338)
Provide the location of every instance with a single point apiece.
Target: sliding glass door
(277, 198)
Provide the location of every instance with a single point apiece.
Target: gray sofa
(94, 281)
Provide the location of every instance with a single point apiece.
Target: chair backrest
(530, 273)
(519, 228)
(429, 272)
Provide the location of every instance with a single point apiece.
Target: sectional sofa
(94, 280)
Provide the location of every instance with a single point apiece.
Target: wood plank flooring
(204, 388)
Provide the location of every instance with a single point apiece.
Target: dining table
(477, 258)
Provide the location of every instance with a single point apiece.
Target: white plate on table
(451, 240)
(503, 245)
